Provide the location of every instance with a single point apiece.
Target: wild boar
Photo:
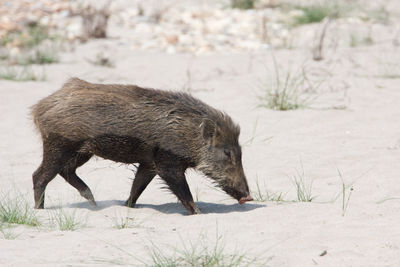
(164, 132)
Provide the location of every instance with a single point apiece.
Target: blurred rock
(172, 39)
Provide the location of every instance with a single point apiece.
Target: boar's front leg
(178, 185)
(171, 168)
(144, 175)
(176, 181)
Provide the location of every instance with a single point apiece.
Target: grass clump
(243, 4)
(312, 14)
(123, 222)
(34, 45)
(200, 254)
(288, 92)
(40, 56)
(20, 74)
(65, 220)
(303, 189)
(319, 11)
(16, 210)
(30, 37)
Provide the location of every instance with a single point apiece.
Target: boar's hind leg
(68, 172)
(41, 177)
(144, 175)
(55, 151)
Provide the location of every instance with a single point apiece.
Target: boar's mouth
(243, 200)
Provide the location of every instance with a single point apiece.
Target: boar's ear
(208, 128)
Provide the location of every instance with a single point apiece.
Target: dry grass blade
(317, 51)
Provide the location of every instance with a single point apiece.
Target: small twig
(264, 31)
(395, 40)
(317, 51)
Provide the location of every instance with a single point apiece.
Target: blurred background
(36, 32)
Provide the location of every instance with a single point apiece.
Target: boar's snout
(238, 189)
(242, 196)
(242, 200)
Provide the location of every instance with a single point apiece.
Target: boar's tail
(35, 111)
(34, 114)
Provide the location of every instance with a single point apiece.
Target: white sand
(362, 141)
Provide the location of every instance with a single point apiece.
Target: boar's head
(222, 157)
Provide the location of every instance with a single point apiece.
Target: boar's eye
(227, 152)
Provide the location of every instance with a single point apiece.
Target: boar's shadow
(173, 207)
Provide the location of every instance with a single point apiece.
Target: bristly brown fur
(165, 132)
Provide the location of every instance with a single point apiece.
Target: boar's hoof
(130, 204)
(39, 207)
(92, 202)
(194, 210)
(89, 196)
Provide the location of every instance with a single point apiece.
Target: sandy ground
(352, 127)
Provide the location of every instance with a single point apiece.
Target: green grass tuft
(263, 195)
(65, 220)
(243, 4)
(303, 189)
(345, 190)
(319, 11)
(312, 14)
(35, 45)
(28, 38)
(16, 210)
(200, 254)
(40, 56)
